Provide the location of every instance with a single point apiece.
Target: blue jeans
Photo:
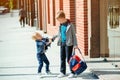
(65, 52)
(42, 58)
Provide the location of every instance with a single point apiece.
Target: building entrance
(113, 28)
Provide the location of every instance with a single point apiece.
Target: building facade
(77, 15)
(95, 22)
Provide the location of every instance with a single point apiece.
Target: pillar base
(94, 55)
(104, 55)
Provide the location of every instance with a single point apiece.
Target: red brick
(77, 14)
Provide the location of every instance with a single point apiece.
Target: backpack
(77, 65)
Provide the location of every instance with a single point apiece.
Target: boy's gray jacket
(70, 36)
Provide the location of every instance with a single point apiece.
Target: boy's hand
(75, 47)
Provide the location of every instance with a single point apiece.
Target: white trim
(68, 27)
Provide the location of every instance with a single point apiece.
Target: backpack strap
(80, 53)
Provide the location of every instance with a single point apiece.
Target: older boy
(67, 41)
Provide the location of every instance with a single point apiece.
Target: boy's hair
(36, 35)
(60, 14)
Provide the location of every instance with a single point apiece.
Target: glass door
(114, 31)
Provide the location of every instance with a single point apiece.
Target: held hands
(49, 43)
(50, 40)
(54, 37)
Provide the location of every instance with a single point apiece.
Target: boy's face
(61, 20)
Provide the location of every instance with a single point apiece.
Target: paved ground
(18, 56)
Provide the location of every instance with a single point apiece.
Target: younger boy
(42, 45)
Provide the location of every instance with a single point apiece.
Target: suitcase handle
(79, 52)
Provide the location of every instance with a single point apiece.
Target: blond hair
(60, 14)
(36, 36)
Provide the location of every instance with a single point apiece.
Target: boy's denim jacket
(70, 36)
(42, 45)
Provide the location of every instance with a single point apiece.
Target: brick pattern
(77, 13)
(52, 12)
(61, 4)
(82, 25)
(53, 29)
(40, 14)
(57, 8)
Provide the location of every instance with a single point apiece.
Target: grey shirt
(70, 36)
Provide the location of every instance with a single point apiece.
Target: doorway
(113, 28)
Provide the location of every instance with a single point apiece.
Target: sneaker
(48, 73)
(61, 75)
(72, 76)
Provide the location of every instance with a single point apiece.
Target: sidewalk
(18, 56)
(105, 70)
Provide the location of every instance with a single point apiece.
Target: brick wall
(81, 25)
(52, 26)
(57, 8)
(66, 8)
(77, 13)
(51, 12)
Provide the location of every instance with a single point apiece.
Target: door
(114, 30)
